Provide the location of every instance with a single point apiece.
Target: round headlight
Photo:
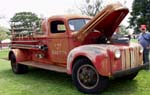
(117, 53)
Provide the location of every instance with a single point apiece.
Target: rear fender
(21, 55)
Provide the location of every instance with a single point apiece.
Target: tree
(91, 7)
(4, 33)
(140, 14)
(25, 21)
(123, 30)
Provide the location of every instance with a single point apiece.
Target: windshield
(77, 24)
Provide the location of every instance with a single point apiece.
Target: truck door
(58, 42)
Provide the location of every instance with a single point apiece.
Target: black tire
(86, 78)
(17, 68)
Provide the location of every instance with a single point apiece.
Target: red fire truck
(80, 46)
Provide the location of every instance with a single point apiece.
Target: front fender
(99, 58)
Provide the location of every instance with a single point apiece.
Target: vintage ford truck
(81, 47)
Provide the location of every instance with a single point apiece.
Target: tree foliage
(25, 20)
(91, 7)
(4, 33)
(140, 14)
(123, 30)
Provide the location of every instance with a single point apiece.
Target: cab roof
(67, 17)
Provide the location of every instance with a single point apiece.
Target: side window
(57, 27)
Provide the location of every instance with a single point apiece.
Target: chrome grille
(130, 58)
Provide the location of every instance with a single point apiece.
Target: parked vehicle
(79, 46)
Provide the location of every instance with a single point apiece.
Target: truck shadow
(121, 87)
(64, 81)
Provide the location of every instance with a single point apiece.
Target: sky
(44, 8)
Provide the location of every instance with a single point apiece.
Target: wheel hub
(87, 76)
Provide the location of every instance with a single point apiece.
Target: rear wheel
(87, 79)
(17, 68)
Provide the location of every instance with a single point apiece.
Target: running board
(45, 66)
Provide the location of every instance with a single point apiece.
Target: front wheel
(17, 68)
(87, 79)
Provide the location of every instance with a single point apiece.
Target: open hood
(105, 21)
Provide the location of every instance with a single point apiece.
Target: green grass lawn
(134, 40)
(42, 82)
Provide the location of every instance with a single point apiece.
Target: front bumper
(130, 71)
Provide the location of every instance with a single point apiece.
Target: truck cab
(81, 47)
